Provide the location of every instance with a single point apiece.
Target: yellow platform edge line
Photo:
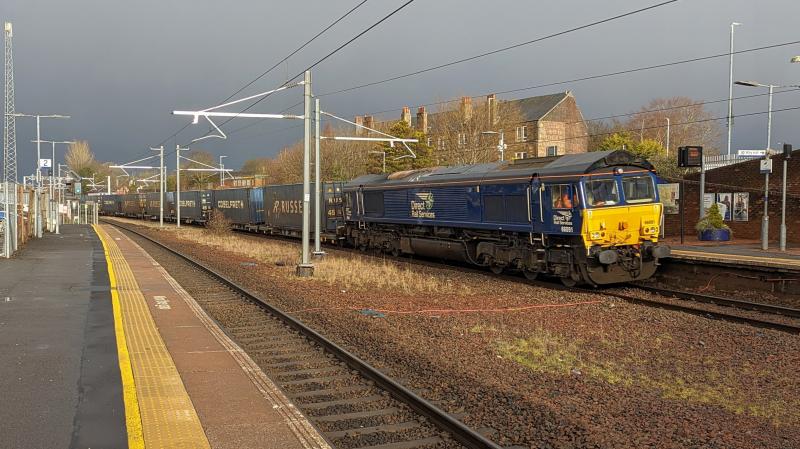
(133, 417)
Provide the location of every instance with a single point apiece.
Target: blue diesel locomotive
(592, 218)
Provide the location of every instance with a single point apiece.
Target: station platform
(743, 253)
(101, 347)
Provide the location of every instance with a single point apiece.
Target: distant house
(550, 125)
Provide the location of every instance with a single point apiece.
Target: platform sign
(765, 166)
(751, 153)
(45, 163)
(2, 215)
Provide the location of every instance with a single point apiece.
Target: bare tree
(80, 158)
(690, 123)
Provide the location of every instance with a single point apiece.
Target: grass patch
(344, 271)
(553, 354)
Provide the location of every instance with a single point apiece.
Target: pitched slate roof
(535, 108)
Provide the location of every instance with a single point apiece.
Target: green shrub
(712, 220)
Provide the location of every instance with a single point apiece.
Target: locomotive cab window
(562, 197)
(638, 189)
(602, 192)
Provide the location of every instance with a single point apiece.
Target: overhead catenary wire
(593, 77)
(504, 49)
(319, 61)
(286, 58)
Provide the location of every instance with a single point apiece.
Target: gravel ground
(545, 368)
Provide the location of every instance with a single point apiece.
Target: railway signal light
(787, 150)
(690, 156)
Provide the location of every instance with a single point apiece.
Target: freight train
(592, 218)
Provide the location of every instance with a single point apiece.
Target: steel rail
(459, 431)
(756, 322)
(720, 301)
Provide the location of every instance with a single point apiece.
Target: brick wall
(745, 177)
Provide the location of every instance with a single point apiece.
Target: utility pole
(53, 216)
(305, 268)
(730, 88)
(765, 221)
(318, 253)
(787, 154)
(667, 136)
(178, 150)
(38, 186)
(221, 172)
(160, 185)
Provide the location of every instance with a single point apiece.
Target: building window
(520, 155)
(440, 144)
(462, 139)
(522, 133)
(552, 151)
(429, 142)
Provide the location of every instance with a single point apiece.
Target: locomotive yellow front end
(621, 229)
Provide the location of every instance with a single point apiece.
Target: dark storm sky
(119, 68)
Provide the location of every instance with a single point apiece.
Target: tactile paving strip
(169, 419)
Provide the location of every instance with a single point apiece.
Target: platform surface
(195, 386)
(742, 252)
(59, 373)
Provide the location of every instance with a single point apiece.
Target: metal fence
(723, 160)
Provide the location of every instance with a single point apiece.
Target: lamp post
(765, 220)
(37, 191)
(730, 88)
(501, 145)
(53, 216)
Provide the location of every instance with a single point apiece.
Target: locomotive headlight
(596, 235)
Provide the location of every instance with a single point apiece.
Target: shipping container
(153, 204)
(284, 208)
(110, 205)
(134, 205)
(241, 206)
(195, 205)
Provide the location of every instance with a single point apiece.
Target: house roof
(536, 108)
(532, 108)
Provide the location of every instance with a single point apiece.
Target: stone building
(550, 125)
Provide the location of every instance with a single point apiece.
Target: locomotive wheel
(568, 281)
(496, 269)
(395, 252)
(530, 275)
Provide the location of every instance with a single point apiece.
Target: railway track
(761, 322)
(352, 403)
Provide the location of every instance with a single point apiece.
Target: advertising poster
(741, 206)
(708, 201)
(725, 203)
(670, 196)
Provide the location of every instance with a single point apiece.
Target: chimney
(359, 121)
(406, 115)
(466, 108)
(422, 119)
(491, 103)
(369, 123)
